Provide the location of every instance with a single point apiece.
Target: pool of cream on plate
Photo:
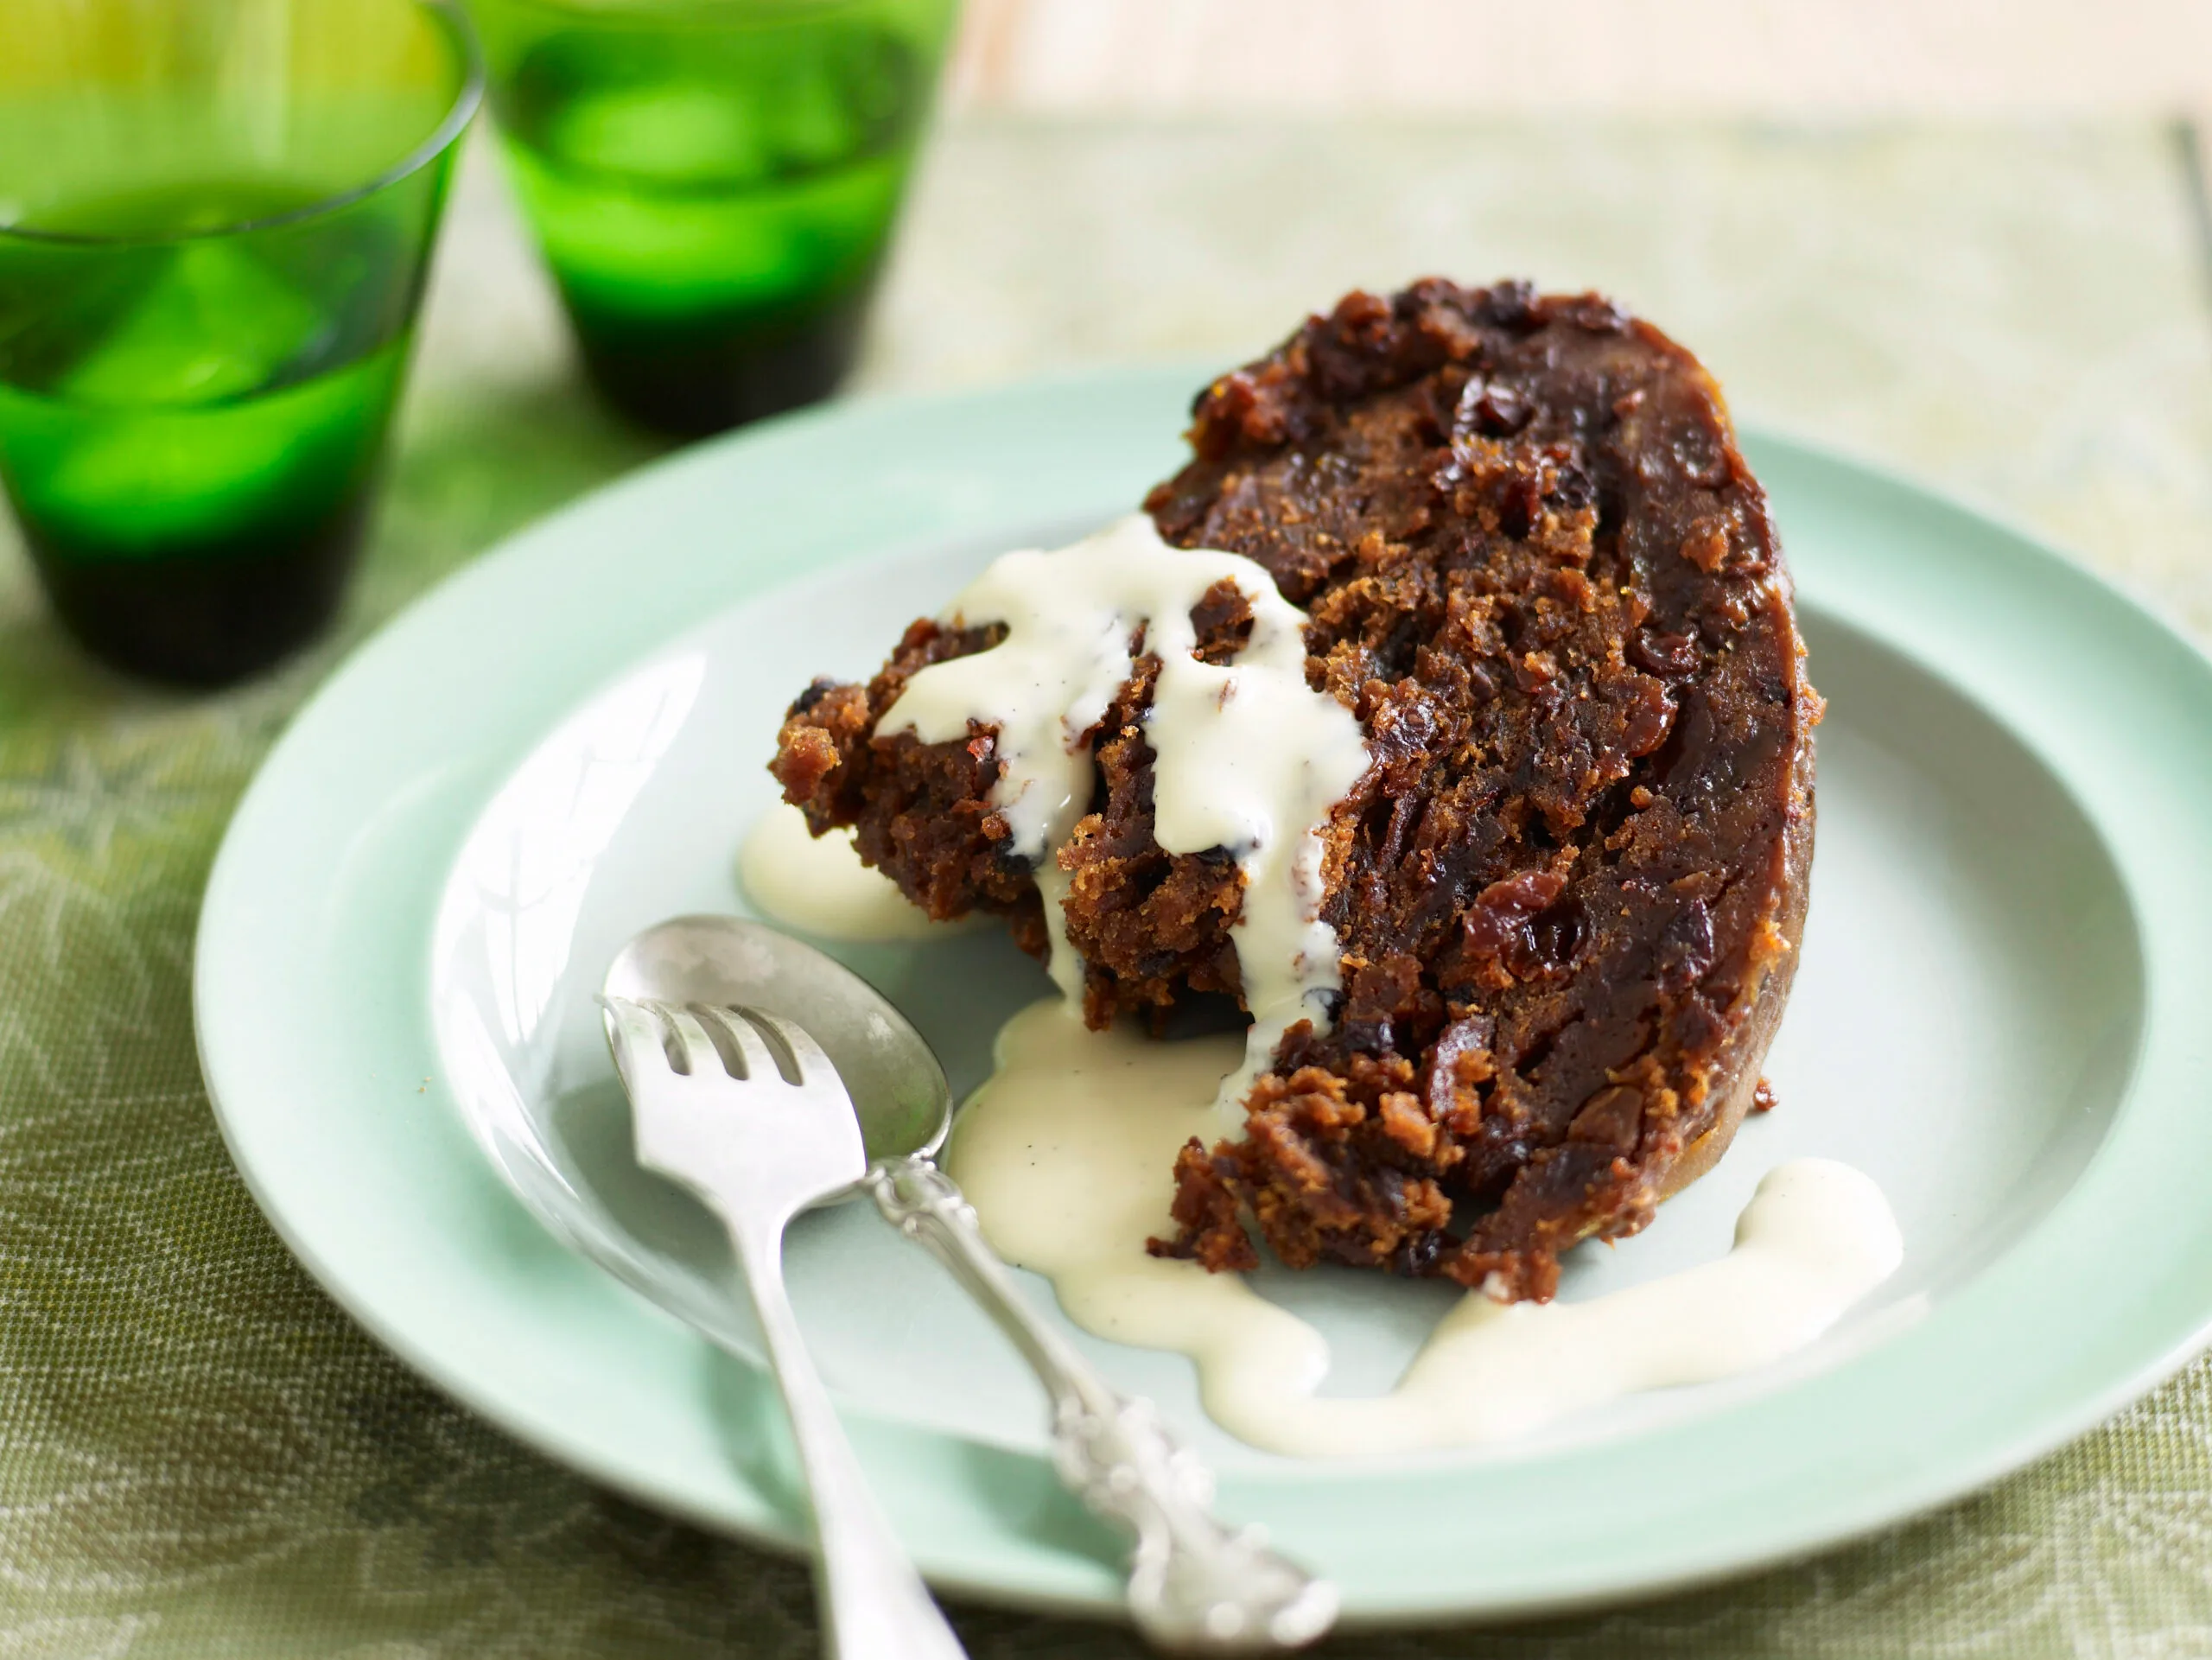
(1066, 1151)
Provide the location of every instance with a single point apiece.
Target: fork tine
(701, 1057)
(808, 1059)
(635, 1036)
(760, 1064)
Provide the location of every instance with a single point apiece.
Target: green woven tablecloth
(201, 1456)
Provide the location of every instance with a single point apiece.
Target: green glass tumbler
(215, 218)
(713, 182)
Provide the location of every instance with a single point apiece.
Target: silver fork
(701, 1121)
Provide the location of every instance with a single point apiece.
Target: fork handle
(1196, 1586)
(872, 1604)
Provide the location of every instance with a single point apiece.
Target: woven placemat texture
(199, 1456)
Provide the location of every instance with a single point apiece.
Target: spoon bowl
(899, 1090)
(564, 1142)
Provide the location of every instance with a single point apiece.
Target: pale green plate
(2002, 1017)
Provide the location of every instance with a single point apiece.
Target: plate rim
(510, 564)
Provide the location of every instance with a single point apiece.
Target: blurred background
(1709, 57)
(1964, 237)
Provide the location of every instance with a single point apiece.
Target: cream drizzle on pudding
(1066, 1152)
(1063, 1154)
(1248, 757)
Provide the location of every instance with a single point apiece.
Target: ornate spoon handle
(1195, 1585)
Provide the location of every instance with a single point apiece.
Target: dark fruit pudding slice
(1568, 891)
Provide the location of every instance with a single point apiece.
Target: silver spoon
(1195, 1584)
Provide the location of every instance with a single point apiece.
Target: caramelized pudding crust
(1569, 889)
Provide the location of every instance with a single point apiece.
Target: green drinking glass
(714, 183)
(215, 217)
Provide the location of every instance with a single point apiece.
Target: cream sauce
(818, 885)
(1064, 1153)
(1248, 756)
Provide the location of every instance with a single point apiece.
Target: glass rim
(467, 97)
(618, 13)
